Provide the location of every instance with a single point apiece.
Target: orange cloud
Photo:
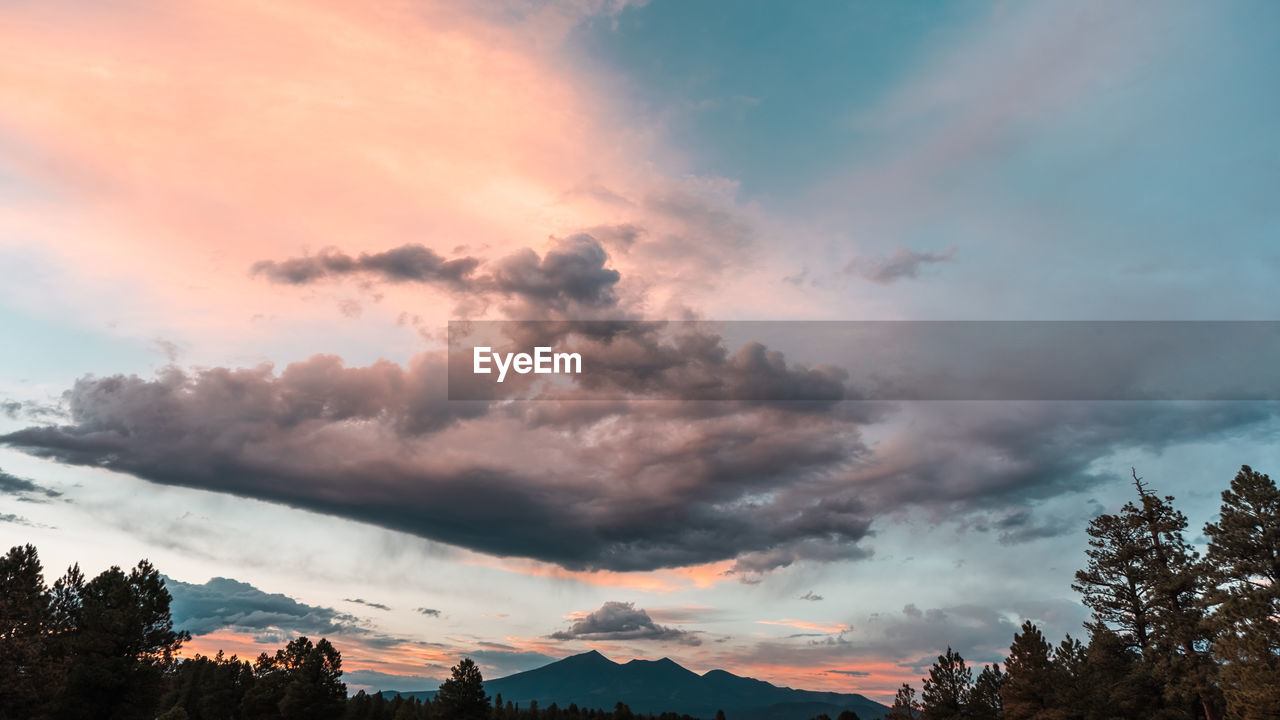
(806, 625)
(662, 581)
(357, 653)
(881, 678)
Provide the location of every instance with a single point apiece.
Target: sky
(233, 233)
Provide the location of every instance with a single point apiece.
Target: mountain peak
(666, 661)
(591, 656)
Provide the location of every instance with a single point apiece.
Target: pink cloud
(172, 147)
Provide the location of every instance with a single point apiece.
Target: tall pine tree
(1030, 677)
(1243, 564)
(462, 697)
(905, 705)
(946, 690)
(985, 700)
(1144, 580)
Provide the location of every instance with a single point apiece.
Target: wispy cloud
(903, 264)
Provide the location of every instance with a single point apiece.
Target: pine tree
(301, 681)
(946, 690)
(26, 620)
(120, 642)
(1071, 690)
(1120, 684)
(1243, 564)
(1030, 678)
(315, 690)
(462, 697)
(1144, 579)
(1182, 635)
(985, 702)
(1115, 584)
(905, 706)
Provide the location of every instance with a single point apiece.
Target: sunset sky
(233, 232)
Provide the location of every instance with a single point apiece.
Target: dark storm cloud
(904, 263)
(362, 443)
(631, 483)
(223, 603)
(571, 274)
(357, 443)
(619, 486)
(622, 621)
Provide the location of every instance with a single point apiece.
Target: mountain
(655, 686)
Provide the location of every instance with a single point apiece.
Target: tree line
(106, 649)
(1173, 635)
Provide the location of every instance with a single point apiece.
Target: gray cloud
(223, 603)
(362, 601)
(429, 612)
(622, 621)
(25, 489)
(811, 596)
(18, 520)
(571, 274)
(903, 264)
(407, 263)
(1020, 525)
(31, 410)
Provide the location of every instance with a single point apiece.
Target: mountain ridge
(592, 680)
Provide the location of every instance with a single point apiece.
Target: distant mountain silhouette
(654, 686)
